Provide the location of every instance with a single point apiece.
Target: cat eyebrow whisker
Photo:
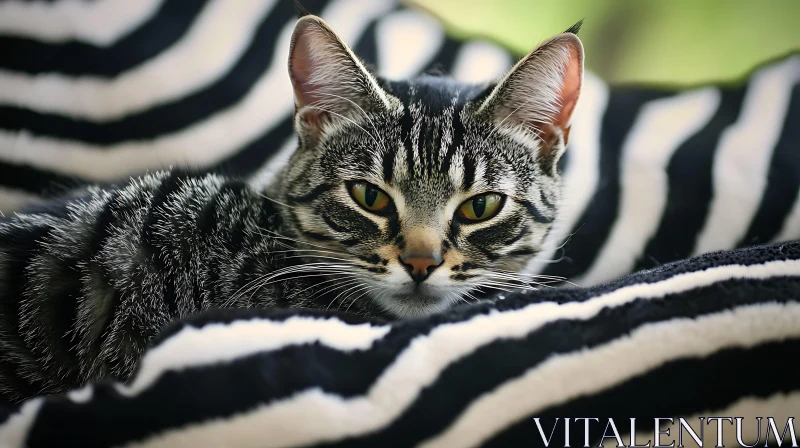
(369, 119)
(345, 118)
(498, 125)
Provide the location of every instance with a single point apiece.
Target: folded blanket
(652, 173)
(713, 336)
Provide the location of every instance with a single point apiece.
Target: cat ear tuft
(300, 10)
(329, 81)
(537, 97)
(574, 29)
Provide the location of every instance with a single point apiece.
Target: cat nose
(419, 267)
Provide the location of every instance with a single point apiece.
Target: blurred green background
(680, 42)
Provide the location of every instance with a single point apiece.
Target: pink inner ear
(301, 66)
(568, 98)
(570, 90)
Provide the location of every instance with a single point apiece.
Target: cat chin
(416, 303)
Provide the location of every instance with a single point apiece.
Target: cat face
(418, 192)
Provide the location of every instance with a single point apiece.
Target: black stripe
(316, 236)
(533, 211)
(18, 248)
(388, 163)
(520, 252)
(54, 312)
(312, 195)
(37, 181)
(101, 227)
(148, 40)
(170, 184)
(458, 140)
(443, 402)
(594, 225)
(333, 225)
(469, 171)
(367, 48)
(443, 60)
(230, 388)
(522, 232)
(546, 202)
(695, 385)
(170, 117)
(248, 159)
(783, 179)
(690, 174)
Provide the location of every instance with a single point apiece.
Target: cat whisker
(341, 284)
(275, 201)
(522, 282)
(296, 293)
(266, 279)
(357, 286)
(367, 291)
(298, 277)
(294, 240)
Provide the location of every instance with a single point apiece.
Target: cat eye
(480, 208)
(370, 197)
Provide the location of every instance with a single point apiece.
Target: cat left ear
(330, 83)
(538, 95)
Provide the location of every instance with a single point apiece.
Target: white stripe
(221, 343)
(12, 200)
(204, 143)
(791, 225)
(100, 23)
(213, 44)
(269, 172)
(14, 431)
(564, 377)
(661, 127)
(742, 160)
(406, 41)
(582, 172)
(479, 61)
(778, 406)
(329, 417)
(82, 395)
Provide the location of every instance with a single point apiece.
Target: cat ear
(330, 83)
(538, 95)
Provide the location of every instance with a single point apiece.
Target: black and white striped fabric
(679, 186)
(713, 336)
(97, 91)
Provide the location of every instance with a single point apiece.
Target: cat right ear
(330, 83)
(538, 96)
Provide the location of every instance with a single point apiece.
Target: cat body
(402, 199)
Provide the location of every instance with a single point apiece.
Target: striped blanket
(714, 336)
(696, 191)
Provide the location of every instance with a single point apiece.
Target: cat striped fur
(85, 289)
(87, 282)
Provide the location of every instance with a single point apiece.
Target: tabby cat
(402, 199)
